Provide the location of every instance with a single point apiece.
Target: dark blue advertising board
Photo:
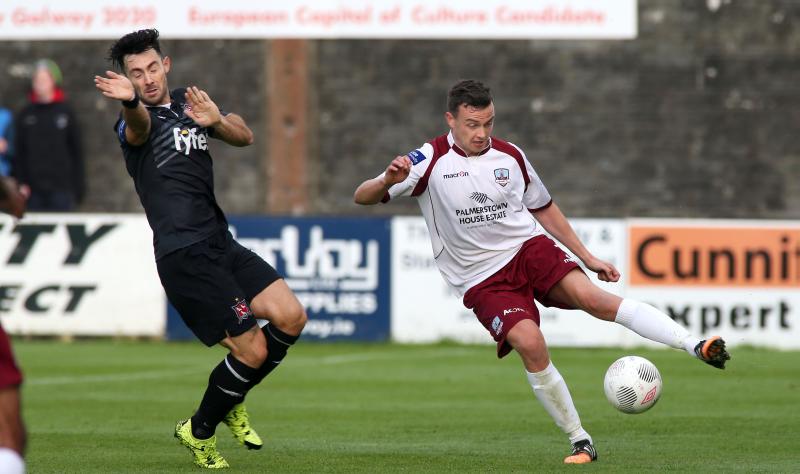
(338, 267)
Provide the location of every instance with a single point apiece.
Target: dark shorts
(10, 375)
(507, 297)
(211, 284)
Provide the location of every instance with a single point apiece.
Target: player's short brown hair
(133, 43)
(468, 92)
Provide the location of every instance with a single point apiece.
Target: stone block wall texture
(696, 117)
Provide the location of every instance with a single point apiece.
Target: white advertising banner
(424, 309)
(466, 19)
(79, 274)
(735, 278)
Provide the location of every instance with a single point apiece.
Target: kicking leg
(577, 291)
(550, 388)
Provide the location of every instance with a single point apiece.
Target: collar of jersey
(457, 149)
(164, 106)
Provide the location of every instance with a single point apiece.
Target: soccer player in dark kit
(226, 294)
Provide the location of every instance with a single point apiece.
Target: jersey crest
(241, 310)
(501, 176)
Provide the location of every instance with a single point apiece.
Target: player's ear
(167, 63)
(451, 119)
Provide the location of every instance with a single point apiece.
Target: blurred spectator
(47, 146)
(6, 134)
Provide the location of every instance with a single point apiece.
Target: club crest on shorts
(497, 325)
(241, 310)
(501, 176)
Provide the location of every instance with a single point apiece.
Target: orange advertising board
(718, 256)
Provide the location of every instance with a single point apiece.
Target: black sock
(278, 342)
(227, 386)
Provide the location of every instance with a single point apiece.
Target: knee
(530, 346)
(291, 319)
(531, 349)
(295, 320)
(534, 357)
(599, 304)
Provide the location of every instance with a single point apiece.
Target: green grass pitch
(106, 406)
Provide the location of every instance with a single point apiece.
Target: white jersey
(477, 208)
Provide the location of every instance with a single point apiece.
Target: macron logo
(460, 174)
(187, 139)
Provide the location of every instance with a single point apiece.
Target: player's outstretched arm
(137, 119)
(372, 190)
(230, 128)
(554, 222)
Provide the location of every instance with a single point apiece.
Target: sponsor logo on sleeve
(416, 157)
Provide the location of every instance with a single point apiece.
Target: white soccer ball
(632, 384)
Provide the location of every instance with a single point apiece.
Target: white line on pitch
(301, 361)
(121, 377)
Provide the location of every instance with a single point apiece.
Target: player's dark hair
(133, 43)
(468, 92)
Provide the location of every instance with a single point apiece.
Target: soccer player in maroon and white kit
(485, 208)
(13, 198)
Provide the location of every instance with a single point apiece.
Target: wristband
(133, 103)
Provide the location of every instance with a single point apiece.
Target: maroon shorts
(506, 298)
(10, 376)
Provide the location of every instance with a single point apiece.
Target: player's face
(148, 73)
(472, 127)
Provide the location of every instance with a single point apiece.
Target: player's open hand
(605, 271)
(201, 108)
(114, 86)
(398, 170)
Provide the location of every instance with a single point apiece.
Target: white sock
(652, 324)
(11, 462)
(552, 392)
